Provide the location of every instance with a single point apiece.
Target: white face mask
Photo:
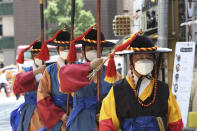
(38, 62)
(91, 55)
(64, 54)
(144, 66)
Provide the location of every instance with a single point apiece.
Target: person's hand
(39, 70)
(97, 116)
(95, 63)
(97, 122)
(64, 117)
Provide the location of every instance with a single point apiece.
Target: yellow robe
(108, 109)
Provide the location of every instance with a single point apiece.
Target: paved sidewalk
(7, 104)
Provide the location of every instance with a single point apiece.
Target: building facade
(7, 34)
(27, 21)
(109, 9)
(27, 18)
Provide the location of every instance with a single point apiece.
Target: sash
(143, 123)
(81, 103)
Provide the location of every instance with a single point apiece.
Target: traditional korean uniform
(153, 108)
(51, 102)
(25, 117)
(73, 78)
(83, 115)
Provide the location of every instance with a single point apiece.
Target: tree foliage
(59, 11)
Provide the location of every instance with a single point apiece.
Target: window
(52, 52)
(143, 26)
(149, 4)
(27, 55)
(106, 51)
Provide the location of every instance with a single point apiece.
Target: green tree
(59, 11)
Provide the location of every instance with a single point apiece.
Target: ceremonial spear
(42, 20)
(98, 52)
(71, 38)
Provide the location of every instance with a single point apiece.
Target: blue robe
(85, 120)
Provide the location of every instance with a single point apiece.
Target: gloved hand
(39, 70)
(64, 117)
(95, 63)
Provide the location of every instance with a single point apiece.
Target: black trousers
(3, 85)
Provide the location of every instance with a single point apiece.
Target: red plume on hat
(111, 67)
(20, 58)
(44, 53)
(72, 51)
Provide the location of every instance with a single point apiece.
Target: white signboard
(183, 75)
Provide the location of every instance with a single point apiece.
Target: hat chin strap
(140, 78)
(87, 59)
(85, 56)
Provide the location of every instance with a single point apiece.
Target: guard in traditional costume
(52, 104)
(73, 78)
(139, 102)
(25, 117)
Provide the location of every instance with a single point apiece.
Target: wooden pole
(98, 51)
(46, 22)
(42, 20)
(173, 37)
(72, 21)
(71, 38)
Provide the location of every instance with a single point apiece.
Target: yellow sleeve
(108, 110)
(174, 114)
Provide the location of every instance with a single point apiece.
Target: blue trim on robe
(27, 69)
(142, 123)
(42, 129)
(85, 118)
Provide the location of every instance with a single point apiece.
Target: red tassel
(111, 70)
(72, 51)
(44, 53)
(111, 67)
(20, 58)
